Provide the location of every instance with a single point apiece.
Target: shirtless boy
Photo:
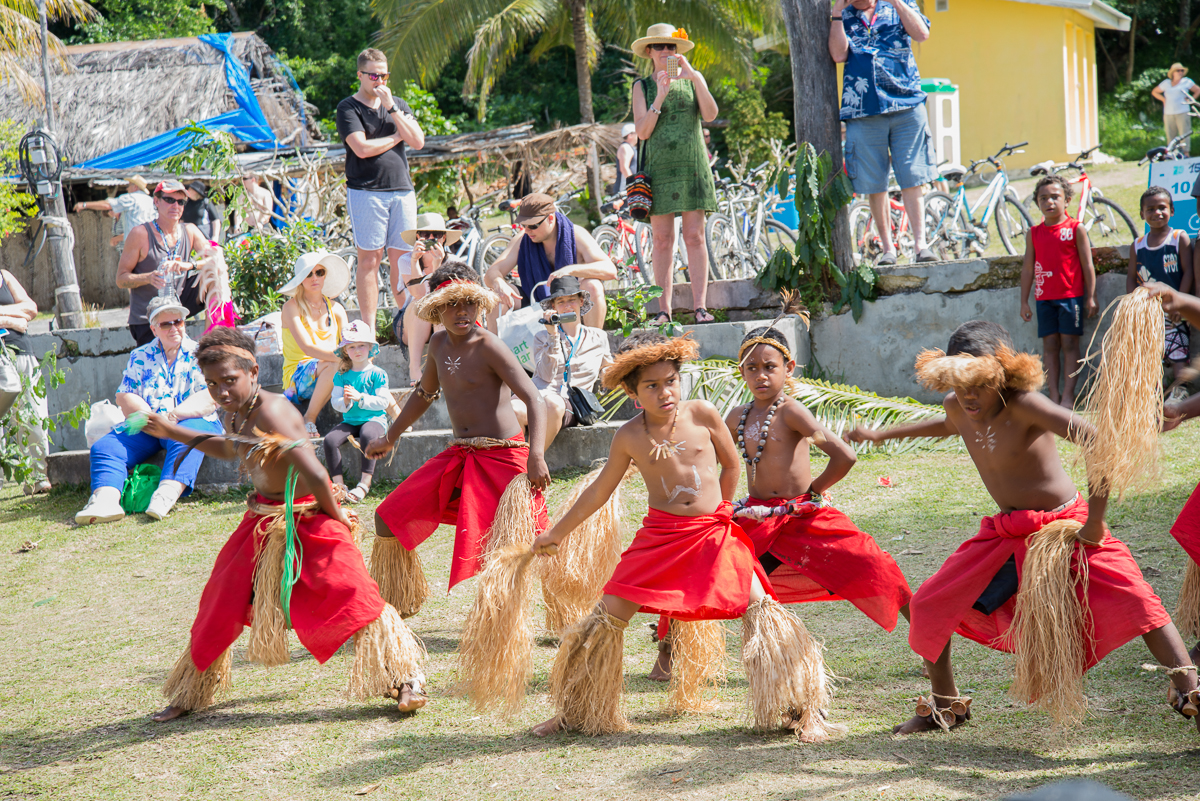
(463, 484)
(689, 561)
(1009, 430)
(332, 599)
(813, 553)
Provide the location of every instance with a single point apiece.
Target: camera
(554, 318)
(428, 244)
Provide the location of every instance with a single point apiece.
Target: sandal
(311, 430)
(703, 311)
(1187, 705)
(662, 318)
(357, 494)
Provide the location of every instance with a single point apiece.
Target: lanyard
(574, 344)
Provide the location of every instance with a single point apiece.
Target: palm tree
(21, 39)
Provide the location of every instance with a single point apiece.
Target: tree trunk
(1183, 47)
(583, 79)
(1132, 45)
(817, 97)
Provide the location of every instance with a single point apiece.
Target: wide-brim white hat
(431, 222)
(662, 33)
(337, 273)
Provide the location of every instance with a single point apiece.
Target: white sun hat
(337, 273)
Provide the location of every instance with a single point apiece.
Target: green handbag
(139, 487)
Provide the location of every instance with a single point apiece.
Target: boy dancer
(292, 563)
(1058, 266)
(689, 561)
(1164, 255)
(1009, 429)
(463, 485)
(813, 553)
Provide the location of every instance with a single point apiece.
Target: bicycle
(1101, 217)
(740, 236)
(625, 241)
(865, 244)
(1172, 152)
(954, 229)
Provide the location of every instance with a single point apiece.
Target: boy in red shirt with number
(1058, 265)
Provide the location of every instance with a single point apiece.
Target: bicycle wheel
(941, 226)
(725, 257)
(613, 246)
(774, 235)
(492, 248)
(1013, 223)
(864, 242)
(1112, 225)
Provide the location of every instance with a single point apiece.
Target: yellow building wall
(1013, 64)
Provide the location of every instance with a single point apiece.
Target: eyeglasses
(170, 324)
(376, 76)
(535, 226)
(661, 46)
(319, 272)
(174, 201)
(431, 234)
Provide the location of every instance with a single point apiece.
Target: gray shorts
(377, 218)
(901, 138)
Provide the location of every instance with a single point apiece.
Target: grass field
(93, 618)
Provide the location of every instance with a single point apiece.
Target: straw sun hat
(430, 222)
(662, 33)
(1177, 67)
(337, 273)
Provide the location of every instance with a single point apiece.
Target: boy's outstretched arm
(939, 426)
(216, 445)
(797, 417)
(1187, 306)
(591, 499)
(1084, 246)
(1027, 280)
(1176, 413)
(514, 376)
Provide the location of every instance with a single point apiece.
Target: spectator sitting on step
(261, 203)
(162, 377)
(549, 247)
(313, 322)
(428, 242)
(132, 208)
(569, 354)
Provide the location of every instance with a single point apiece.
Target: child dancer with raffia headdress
(465, 485)
(689, 561)
(1034, 549)
(292, 563)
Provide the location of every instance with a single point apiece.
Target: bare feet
(552, 726)
(662, 665)
(927, 718)
(170, 713)
(915, 724)
(408, 699)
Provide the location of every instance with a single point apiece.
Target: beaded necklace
(668, 447)
(752, 464)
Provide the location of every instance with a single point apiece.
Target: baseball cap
(533, 206)
(168, 185)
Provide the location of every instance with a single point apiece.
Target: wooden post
(817, 96)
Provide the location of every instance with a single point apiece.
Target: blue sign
(1178, 177)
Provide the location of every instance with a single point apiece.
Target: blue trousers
(115, 453)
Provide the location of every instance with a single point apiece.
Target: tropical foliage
(16, 458)
(21, 40)
(15, 206)
(124, 20)
(262, 262)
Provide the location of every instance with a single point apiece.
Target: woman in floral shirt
(162, 377)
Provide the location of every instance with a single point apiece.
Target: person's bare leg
(367, 283)
(556, 407)
(881, 213)
(322, 392)
(1070, 349)
(914, 207)
(617, 607)
(1052, 348)
(941, 679)
(697, 253)
(1167, 647)
(418, 338)
(662, 230)
(595, 289)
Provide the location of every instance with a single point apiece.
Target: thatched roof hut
(121, 93)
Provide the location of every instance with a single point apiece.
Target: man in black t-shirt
(380, 200)
(200, 212)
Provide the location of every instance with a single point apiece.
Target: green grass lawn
(93, 618)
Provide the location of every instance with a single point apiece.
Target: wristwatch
(835, 17)
(393, 109)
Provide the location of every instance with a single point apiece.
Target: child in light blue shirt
(360, 393)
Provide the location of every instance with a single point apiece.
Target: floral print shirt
(160, 385)
(880, 75)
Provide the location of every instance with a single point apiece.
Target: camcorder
(554, 318)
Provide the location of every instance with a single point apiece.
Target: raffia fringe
(1187, 612)
(399, 574)
(1052, 624)
(496, 650)
(268, 643)
(697, 665)
(573, 580)
(386, 654)
(191, 689)
(786, 672)
(586, 680)
(514, 523)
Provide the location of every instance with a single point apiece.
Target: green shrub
(263, 262)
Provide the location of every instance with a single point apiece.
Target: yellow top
(293, 356)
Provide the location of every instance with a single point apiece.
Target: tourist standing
(258, 215)
(200, 211)
(380, 200)
(1173, 94)
(668, 108)
(627, 163)
(132, 208)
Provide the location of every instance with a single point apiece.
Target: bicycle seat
(1156, 154)
(508, 204)
(1043, 168)
(953, 172)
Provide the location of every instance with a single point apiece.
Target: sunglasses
(170, 324)
(431, 234)
(376, 76)
(661, 46)
(534, 226)
(173, 201)
(319, 272)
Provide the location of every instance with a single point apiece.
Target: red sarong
(689, 568)
(461, 486)
(827, 558)
(1122, 604)
(1186, 530)
(334, 598)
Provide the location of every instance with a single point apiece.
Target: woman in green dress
(667, 113)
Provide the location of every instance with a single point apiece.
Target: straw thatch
(121, 93)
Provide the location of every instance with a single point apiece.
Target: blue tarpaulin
(247, 122)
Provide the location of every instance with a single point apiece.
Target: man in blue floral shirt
(884, 109)
(161, 377)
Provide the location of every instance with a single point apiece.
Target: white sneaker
(164, 498)
(103, 507)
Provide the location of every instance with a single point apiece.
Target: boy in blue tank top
(1164, 255)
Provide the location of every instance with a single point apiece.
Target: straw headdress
(429, 308)
(1005, 369)
(679, 349)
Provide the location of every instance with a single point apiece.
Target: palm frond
(723, 31)
(21, 41)
(561, 33)
(421, 36)
(501, 37)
